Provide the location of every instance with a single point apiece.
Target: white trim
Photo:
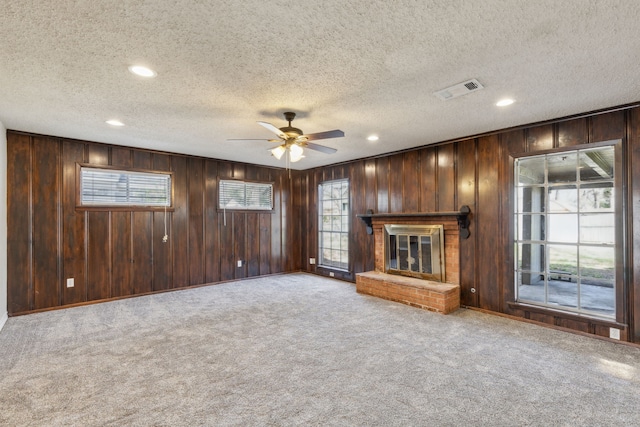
(3, 320)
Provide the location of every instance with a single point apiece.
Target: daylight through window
(333, 224)
(565, 231)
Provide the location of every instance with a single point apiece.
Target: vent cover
(460, 89)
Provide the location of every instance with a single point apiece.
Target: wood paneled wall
(112, 254)
(478, 172)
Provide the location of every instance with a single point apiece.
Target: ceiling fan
(293, 140)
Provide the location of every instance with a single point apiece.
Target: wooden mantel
(461, 216)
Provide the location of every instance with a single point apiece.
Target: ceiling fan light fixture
(278, 152)
(295, 153)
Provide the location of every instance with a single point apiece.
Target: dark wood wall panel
(303, 225)
(310, 234)
(19, 224)
(162, 252)
(98, 256)
(142, 274)
(277, 222)
(98, 154)
(488, 217)
(121, 157)
(252, 237)
(358, 238)
(73, 226)
(46, 280)
(225, 229)
(121, 257)
(195, 168)
(286, 261)
(573, 132)
(446, 178)
(180, 222)
(295, 200)
(428, 180)
(370, 190)
(382, 184)
(411, 182)
(116, 253)
(608, 126)
(512, 143)
(396, 181)
(466, 180)
(212, 236)
(540, 138)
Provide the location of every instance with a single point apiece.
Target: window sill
(125, 208)
(566, 314)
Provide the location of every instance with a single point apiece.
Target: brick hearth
(435, 296)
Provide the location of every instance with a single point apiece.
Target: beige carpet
(303, 350)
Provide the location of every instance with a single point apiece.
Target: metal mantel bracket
(463, 221)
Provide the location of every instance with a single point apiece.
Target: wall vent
(460, 89)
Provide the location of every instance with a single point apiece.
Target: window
(333, 224)
(113, 187)
(565, 231)
(240, 195)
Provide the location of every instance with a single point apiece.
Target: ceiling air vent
(460, 89)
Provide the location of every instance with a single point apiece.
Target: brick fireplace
(440, 296)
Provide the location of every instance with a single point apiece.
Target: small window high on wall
(333, 224)
(109, 187)
(241, 195)
(566, 231)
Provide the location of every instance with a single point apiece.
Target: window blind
(110, 187)
(242, 195)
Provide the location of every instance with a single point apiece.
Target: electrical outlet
(239, 263)
(331, 274)
(614, 333)
(312, 261)
(70, 283)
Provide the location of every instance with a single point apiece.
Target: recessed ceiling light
(373, 138)
(139, 70)
(504, 102)
(115, 123)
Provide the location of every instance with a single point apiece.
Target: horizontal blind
(107, 187)
(245, 195)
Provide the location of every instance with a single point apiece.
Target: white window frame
(334, 228)
(244, 198)
(102, 187)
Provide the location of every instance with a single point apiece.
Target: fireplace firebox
(415, 251)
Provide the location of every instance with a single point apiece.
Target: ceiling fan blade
(250, 139)
(273, 129)
(321, 148)
(324, 135)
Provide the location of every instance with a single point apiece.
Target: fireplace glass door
(410, 253)
(414, 251)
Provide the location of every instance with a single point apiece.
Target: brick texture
(434, 296)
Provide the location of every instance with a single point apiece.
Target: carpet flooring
(299, 349)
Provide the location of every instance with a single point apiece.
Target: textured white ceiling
(360, 66)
